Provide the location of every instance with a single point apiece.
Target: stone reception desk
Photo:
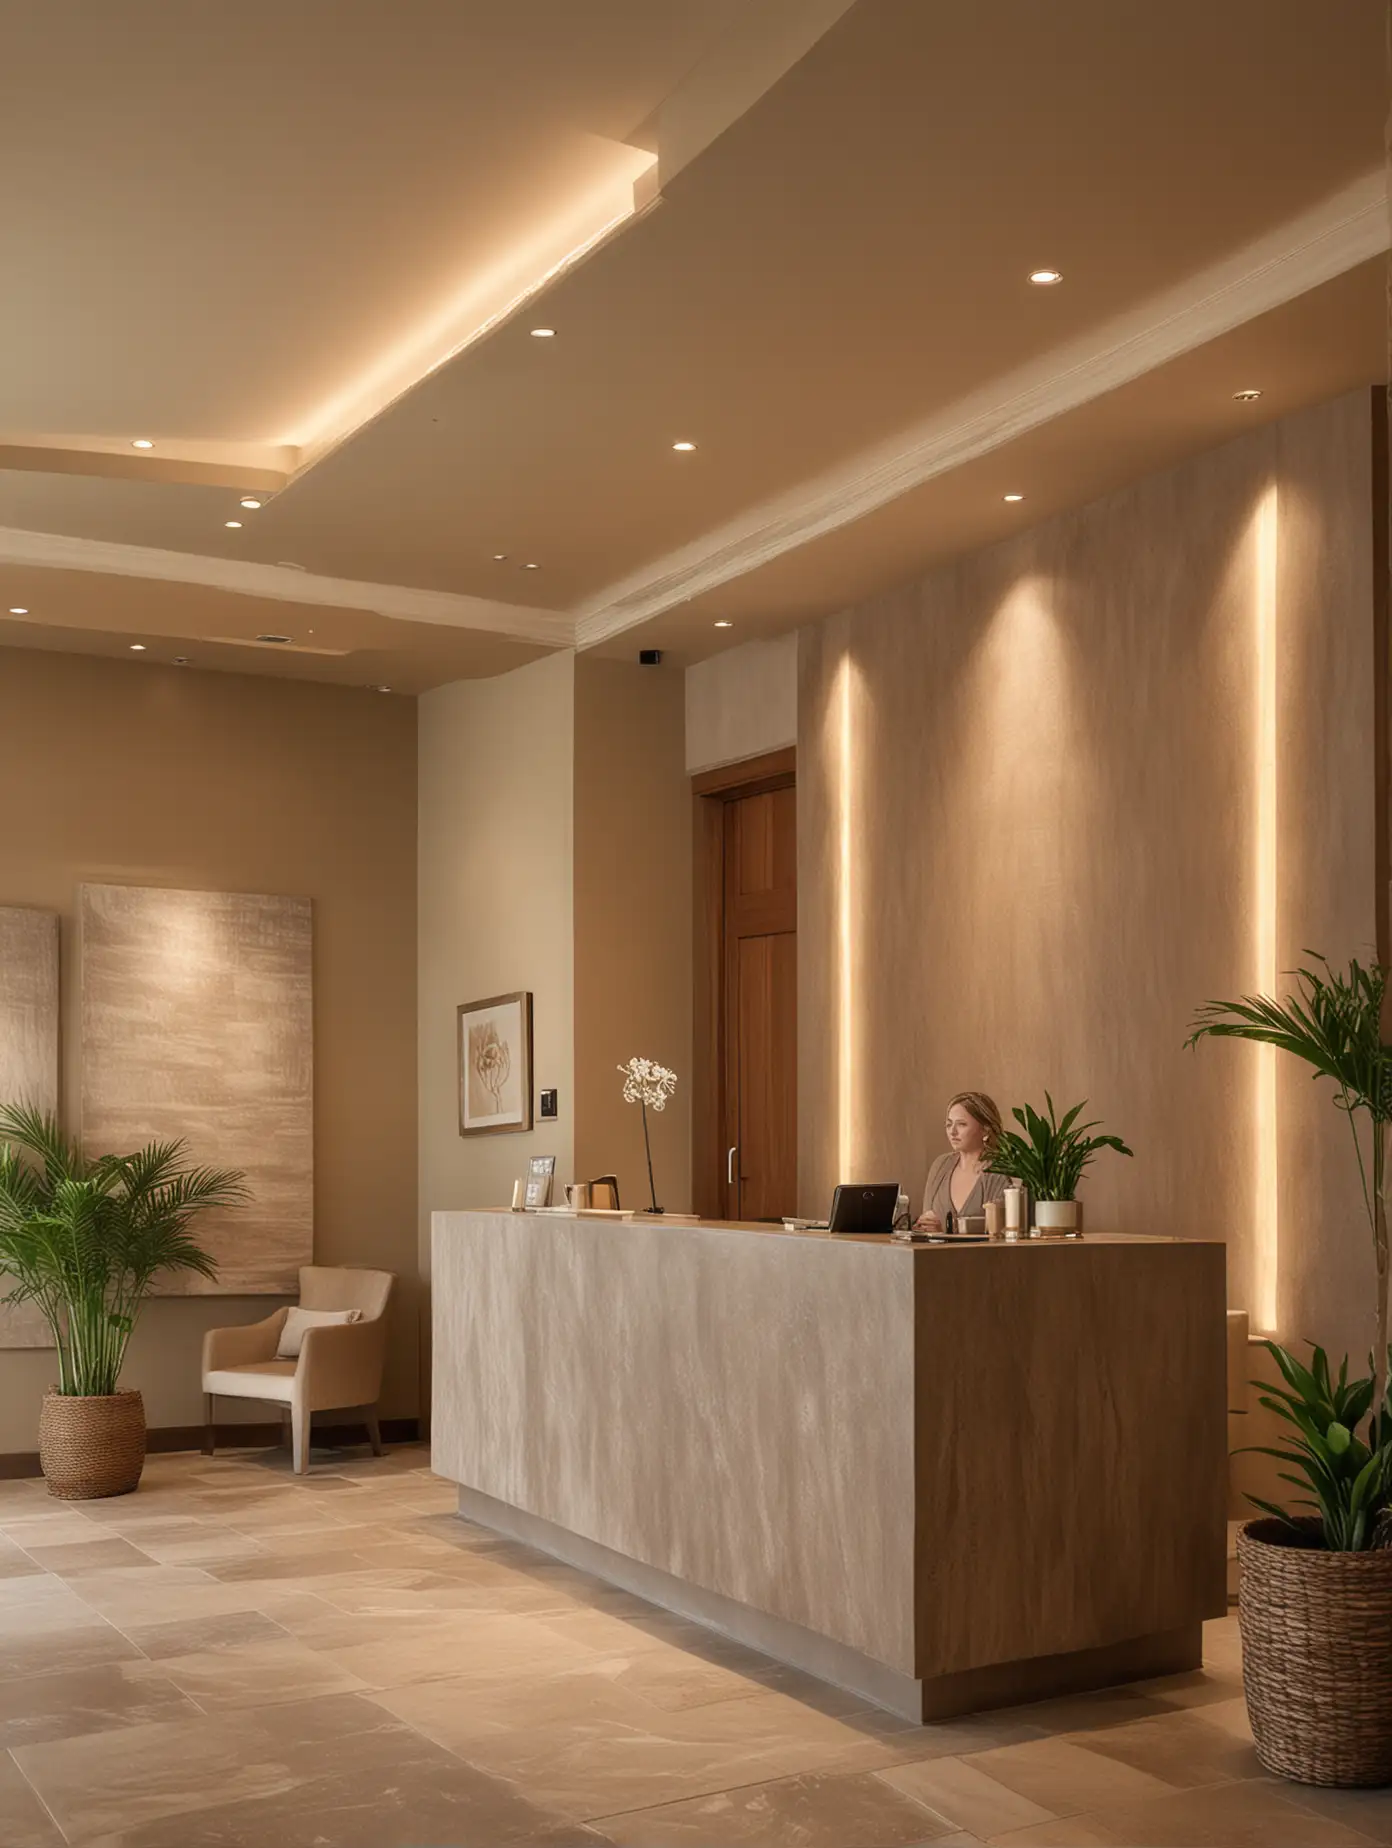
(946, 1478)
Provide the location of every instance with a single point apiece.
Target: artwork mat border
(523, 999)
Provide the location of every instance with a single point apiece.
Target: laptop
(864, 1206)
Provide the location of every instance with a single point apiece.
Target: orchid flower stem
(647, 1145)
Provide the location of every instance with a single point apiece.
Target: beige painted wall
(133, 772)
(1051, 827)
(496, 853)
(632, 922)
(741, 703)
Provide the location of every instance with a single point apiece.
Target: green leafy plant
(1334, 1024)
(1052, 1155)
(83, 1240)
(1347, 1476)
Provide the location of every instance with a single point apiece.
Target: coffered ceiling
(301, 251)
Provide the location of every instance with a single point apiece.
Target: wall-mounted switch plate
(549, 1105)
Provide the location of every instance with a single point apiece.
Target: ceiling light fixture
(250, 503)
(1249, 396)
(181, 661)
(142, 442)
(1046, 278)
(499, 558)
(232, 523)
(543, 333)
(531, 567)
(1014, 497)
(381, 689)
(16, 610)
(684, 447)
(278, 639)
(137, 647)
(723, 622)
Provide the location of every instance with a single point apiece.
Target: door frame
(710, 791)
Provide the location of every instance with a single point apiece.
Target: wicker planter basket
(90, 1447)
(1316, 1657)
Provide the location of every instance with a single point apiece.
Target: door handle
(730, 1155)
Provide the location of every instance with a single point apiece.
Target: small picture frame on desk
(495, 1066)
(541, 1172)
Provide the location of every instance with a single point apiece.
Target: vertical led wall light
(1266, 1245)
(845, 947)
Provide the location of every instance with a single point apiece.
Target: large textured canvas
(197, 1022)
(28, 1054)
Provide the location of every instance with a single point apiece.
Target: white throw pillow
(299, 1321)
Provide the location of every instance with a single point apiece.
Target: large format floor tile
(238, 1658)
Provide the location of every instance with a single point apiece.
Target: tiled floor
(236, 1659)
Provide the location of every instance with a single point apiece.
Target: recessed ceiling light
(1014, 497)
(142, 442)
(543, 333)
(499, 558)
(683, 446)
(1249, 396)
(273, 638)
(181, 660)
(250, 503)
(381, 689)
(137, 647)
(724, 622)
(232, 523)
(1046, 278)
(531, 567)
(16, 610)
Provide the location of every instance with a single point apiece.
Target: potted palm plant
(1315, 1586)
(1049, 1160)
(83, 1240)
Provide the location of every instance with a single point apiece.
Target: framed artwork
(495, 1065)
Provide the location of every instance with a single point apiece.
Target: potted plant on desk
(83, 1240)
(1315, 1586)
(1049, 1160)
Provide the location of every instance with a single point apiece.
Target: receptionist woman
(958, 1182)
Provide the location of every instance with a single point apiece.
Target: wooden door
(758, 1015)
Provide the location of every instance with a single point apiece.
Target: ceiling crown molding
(57, 551)
(1341, 232)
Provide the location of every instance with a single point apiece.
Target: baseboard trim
(17, 1465)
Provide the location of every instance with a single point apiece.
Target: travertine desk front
(947, 1477)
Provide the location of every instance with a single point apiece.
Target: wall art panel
(28, 1054)
(197, 1022)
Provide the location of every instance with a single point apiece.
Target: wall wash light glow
(845, 947)
(1266, 1239)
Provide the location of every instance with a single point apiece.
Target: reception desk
(945, 1477)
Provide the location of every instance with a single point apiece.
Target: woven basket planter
(1316, 1657)
(90, 1447)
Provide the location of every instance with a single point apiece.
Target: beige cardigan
(937, 1195)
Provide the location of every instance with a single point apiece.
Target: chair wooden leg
(299, 1438)
(374, 1434)
(209, 1428)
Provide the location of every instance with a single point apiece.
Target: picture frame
(495, 1065)
(541, 1173)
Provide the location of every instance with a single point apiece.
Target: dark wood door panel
(767, 1077)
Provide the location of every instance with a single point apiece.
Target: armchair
(339, 1366)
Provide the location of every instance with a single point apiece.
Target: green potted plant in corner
(1049, 1160)
(83, 1240)
(1315, 1588)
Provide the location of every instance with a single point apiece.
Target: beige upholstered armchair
(339, 1366)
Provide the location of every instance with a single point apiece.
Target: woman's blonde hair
(986, 1112)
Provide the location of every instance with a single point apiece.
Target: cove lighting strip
(1267, 1225)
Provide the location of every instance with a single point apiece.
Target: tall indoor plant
(83, 1240)
(1049, 1160)
(1315, 1592)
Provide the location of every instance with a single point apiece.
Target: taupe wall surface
(496, 912)
(741, 704)
(632, 923)
(1051, 825)
(140, 774)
